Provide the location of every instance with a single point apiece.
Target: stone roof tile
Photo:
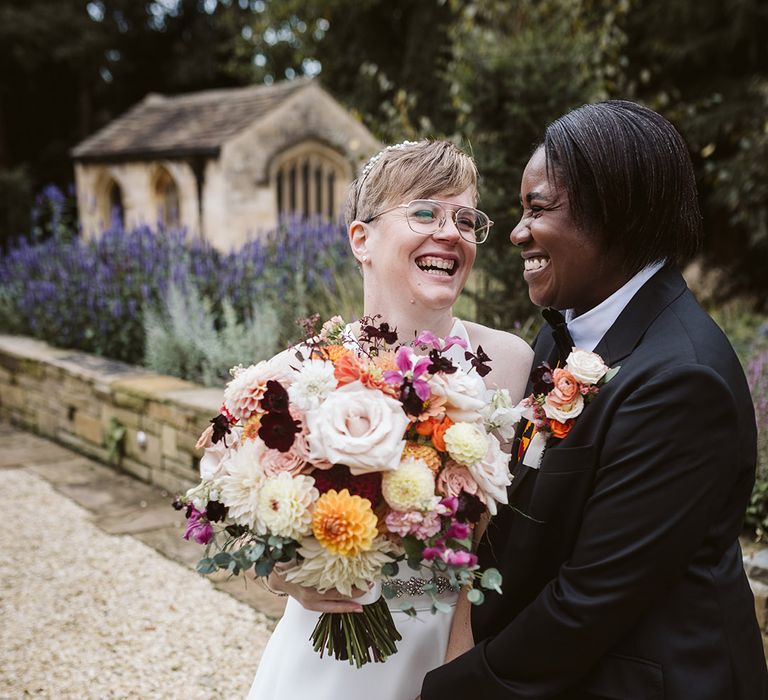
(197, 122)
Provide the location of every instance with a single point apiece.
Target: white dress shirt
(588, 329)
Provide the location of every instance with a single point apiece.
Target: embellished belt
(415, 586)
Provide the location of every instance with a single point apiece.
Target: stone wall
(73, 397)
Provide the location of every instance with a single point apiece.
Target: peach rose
(438, 434)
(565, 391)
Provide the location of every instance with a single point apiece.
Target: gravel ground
(89, 615)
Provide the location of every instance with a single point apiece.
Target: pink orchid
(431, 340)
(199, 529)
(411, 367)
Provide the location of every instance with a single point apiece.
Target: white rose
(586, 367)
(464, 394)
(564, 413)
(492, 475)
(357, 426)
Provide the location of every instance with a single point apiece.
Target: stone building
(224, 164)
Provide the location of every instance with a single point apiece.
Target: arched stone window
(166, 197)
(114, 211)
(305, 179)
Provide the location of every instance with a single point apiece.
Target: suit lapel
(629, 328)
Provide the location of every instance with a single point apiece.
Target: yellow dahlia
(410, 487)
(466, 443)
(344, 524)
(425, 453)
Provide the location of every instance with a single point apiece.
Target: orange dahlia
(344, 524)
(425, 453)
(334, 352)
(251, 427)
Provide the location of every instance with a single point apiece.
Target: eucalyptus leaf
(222, 559)
(408, 609)
(610, 374)
(264, 567)
(475, 597)
(390, 569)
(491, 580)
(206, 566)
(439, 606)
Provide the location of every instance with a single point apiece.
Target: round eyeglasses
(427, 216)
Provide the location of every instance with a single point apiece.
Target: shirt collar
(588, 329)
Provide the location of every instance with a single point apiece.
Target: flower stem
(355, 637)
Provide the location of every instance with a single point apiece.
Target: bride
(414, 230)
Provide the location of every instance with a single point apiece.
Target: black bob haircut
(629, 179)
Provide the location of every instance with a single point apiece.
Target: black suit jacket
(623, 575)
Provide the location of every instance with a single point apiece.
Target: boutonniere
(559, 396)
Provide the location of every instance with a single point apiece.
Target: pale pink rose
(454, 479)
(463, 394)
(492, 475)
(565, 391)
(206, 439)
(214, 455)
(357, 426)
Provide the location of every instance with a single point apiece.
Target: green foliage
(114, 440)
(185, 339)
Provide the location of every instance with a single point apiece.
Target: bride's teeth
(439, 266)
(531, 264)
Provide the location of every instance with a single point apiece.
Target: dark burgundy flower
(479, 360)
(412, 404)
(177, 503)
(338, 477)
(215, 511)
(541, 378)
(275, 399)
(470, 509)
(440, 363)
(278, 431)
(220, 428)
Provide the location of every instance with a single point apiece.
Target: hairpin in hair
(371, 164)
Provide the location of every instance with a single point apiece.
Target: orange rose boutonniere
(559, 395)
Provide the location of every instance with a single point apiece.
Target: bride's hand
(329, 602)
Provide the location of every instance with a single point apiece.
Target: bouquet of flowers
(345, 459)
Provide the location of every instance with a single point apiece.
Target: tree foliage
(489, 74)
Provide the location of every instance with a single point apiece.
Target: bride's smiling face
(429, 269)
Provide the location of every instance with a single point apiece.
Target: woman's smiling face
(430, 269)
(565, 266)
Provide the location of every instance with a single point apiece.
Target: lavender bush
(91, 294)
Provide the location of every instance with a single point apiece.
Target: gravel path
(89, 615)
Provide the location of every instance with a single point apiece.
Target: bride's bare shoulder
(511, 357)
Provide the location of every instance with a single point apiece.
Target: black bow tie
(563, 340)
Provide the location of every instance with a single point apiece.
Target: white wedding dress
(290, 669)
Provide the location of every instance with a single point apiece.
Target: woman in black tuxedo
(622, 570)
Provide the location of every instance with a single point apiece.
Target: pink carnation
(419, 525)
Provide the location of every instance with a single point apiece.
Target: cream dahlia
(285, 505)
(241, 481)
(410, 487)
(466, 443)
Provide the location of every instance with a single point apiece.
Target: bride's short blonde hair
(406, 171)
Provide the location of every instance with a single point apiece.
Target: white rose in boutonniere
(586, 367)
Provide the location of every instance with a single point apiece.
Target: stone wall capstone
(76, 399)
